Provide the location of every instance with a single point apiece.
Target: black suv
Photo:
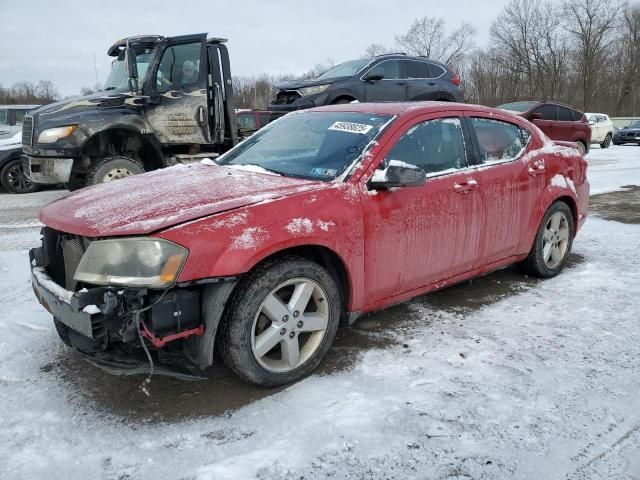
(386, 78)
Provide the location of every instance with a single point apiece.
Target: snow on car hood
(147, 203)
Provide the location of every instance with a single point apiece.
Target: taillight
(455, 79)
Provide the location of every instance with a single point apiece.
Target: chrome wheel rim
(116, 174)
(290, 325)
(555, 240)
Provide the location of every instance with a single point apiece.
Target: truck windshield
(346, 69)
(3, 116)
(118, 78)
(311, 145)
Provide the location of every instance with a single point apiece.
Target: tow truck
(167, 100)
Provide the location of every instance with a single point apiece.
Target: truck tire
(281, 321)
(113, 168)
(14, 180)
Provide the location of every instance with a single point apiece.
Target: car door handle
(535, 171)
(401, 83)
(465, 187)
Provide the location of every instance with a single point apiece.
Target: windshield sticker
(325, 172)
(350, 127)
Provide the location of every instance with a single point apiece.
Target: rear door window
(499, 141)
(415, 69)
(437, 146)
(565, 114)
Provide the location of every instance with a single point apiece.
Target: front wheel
(113, 168)
(607, 141)
(582, 148)
(553, 242)
(14, 180)
(281, 321)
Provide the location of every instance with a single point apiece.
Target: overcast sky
(57, 40)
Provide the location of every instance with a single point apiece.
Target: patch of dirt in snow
(622, 206)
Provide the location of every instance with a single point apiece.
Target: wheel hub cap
(555, 240)
(279, 346)
(116, 174)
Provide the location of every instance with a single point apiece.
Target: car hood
(154, 201)
(295, 84)
(75, 105)
(629, 130)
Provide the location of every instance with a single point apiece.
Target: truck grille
(285, 97)
(27, 130)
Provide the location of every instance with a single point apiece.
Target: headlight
(134, 262)
(313, 90)
(52, 135)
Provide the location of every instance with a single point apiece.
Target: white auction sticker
(350, 127)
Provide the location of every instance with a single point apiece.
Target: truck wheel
(607, 141)
(113, 168)
(281, 321)
(14, 180)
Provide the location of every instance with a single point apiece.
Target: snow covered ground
(539, 383)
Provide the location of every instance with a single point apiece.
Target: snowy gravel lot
(507, 377)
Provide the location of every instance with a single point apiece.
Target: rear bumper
(47, 170)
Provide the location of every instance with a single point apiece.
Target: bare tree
(591, 23)
(376, 49)
(47, 91)
(428, 36)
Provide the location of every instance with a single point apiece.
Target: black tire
(535, 263)
(236, 330)
(607, 141)
(115, 167)
(342, 101)
(14, 180)
(582, 148)
(78, 341)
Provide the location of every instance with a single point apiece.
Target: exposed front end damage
(94, 319)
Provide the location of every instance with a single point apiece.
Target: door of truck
(178, 110)
(222, 119)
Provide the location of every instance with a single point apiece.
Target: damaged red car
(320, 217)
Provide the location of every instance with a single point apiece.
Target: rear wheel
(281, 322)
(14, 179)
(553, 242)
(113, 168)
(607, 141)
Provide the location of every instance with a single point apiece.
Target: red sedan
(320, 217)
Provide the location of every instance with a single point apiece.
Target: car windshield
(346, 69)
(517, 106)
(311, 145)
(634, 125)
(118, 78)
(3, 116)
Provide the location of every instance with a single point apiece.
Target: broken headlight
(133, 262)
(313, 90)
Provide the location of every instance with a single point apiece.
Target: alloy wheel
(555, 240)
(17, 179)
(116, 174)
(290, 325)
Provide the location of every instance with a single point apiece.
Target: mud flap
(199, 348)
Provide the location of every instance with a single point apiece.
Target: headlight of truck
(313, 90)
(132, 262)
(52, 135)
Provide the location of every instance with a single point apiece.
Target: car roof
(403, 56)
(400, 108)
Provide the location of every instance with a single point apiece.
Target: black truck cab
(167, 100)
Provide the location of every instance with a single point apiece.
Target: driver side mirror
(373, 77)
(132, 67)
(592, 122)
(397, 174)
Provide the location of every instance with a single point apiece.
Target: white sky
(56, 40)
